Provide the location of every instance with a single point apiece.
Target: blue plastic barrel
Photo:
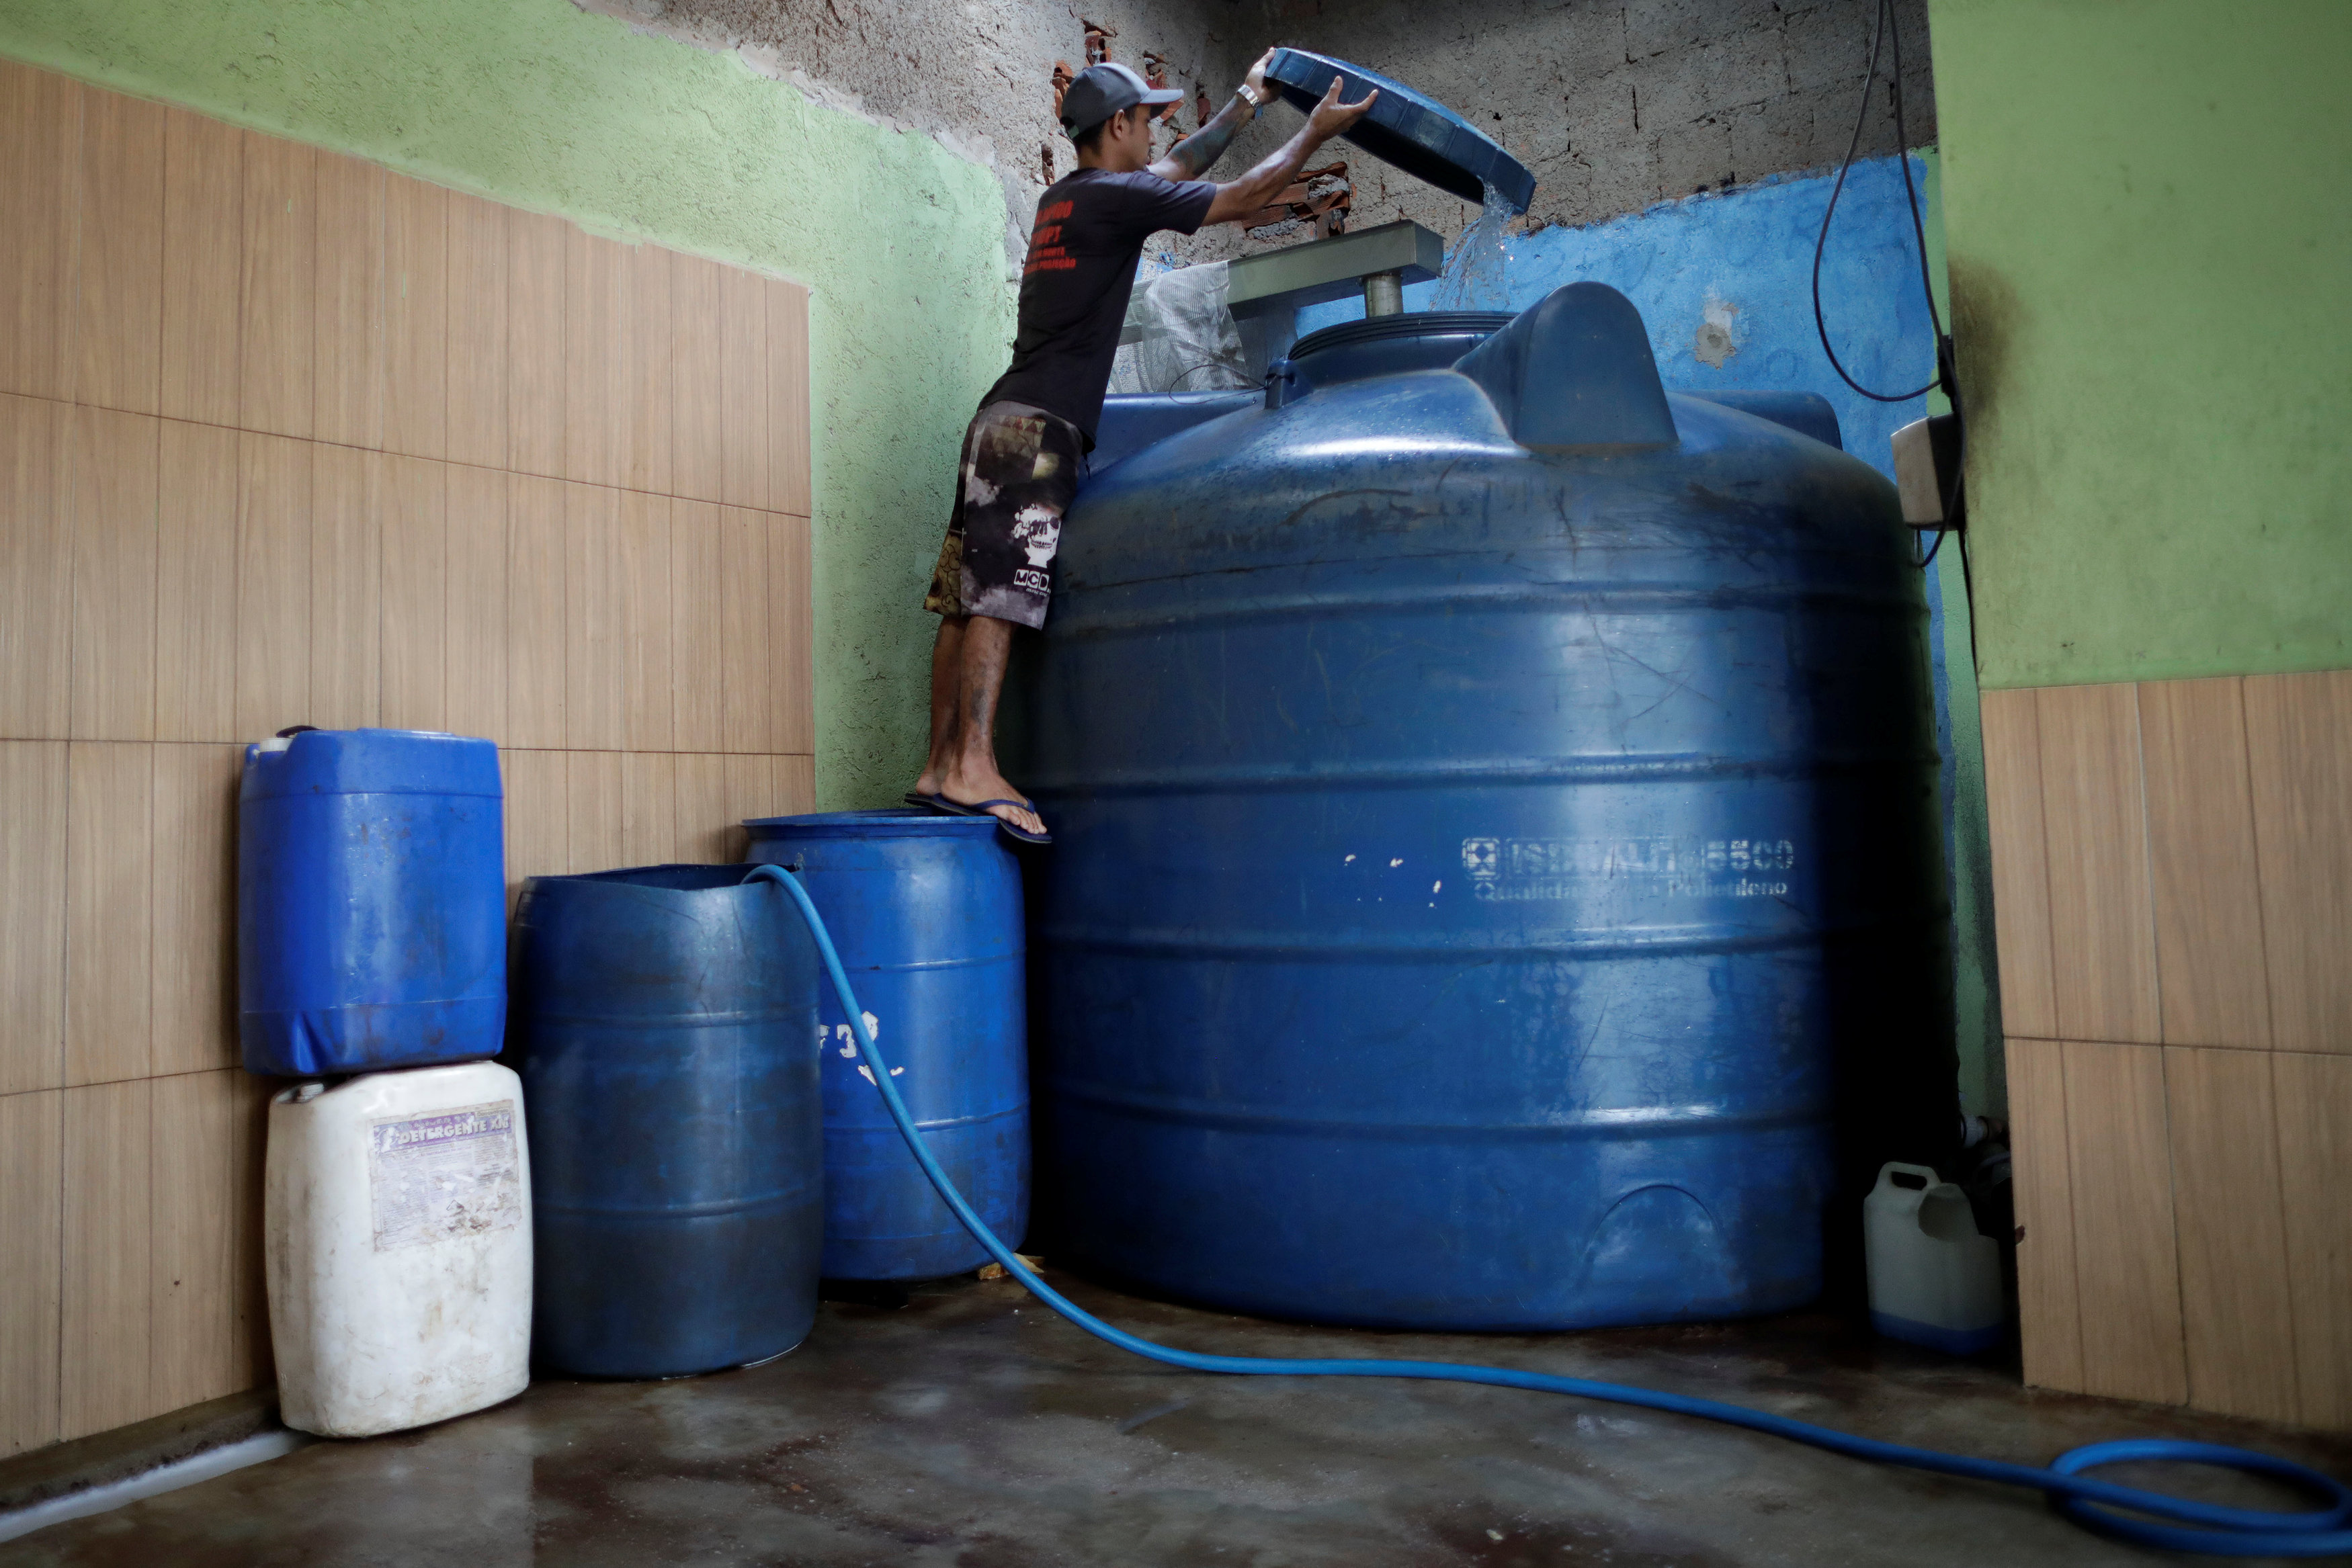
(1498, 881)
(666, 1020)
(926, 911)
(371, 902)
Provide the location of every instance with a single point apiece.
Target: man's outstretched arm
(1197, 153)
(1258, 189)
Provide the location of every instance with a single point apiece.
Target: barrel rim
(1404, 324)
(889, 822)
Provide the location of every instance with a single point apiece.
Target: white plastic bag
(1180, 335)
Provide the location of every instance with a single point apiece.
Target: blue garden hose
(2211, 1528)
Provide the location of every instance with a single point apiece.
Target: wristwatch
(1253, 99)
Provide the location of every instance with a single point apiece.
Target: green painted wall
(2151, 252)
(536, 104)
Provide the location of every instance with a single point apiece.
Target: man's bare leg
(947, 691)
(971, 776)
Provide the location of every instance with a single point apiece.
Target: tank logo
(1527, 870)
(449, 1175)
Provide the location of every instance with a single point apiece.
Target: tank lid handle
(1575, 373)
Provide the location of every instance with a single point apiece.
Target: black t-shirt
(1083, 249)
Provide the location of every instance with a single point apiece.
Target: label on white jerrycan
(397, 1233)
(1934, 1281)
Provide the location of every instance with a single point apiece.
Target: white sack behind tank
(1180, 335)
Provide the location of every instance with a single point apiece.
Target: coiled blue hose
(2211, 1529)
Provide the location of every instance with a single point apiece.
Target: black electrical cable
(1885, 29)
(1878, 35)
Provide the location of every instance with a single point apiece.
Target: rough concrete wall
(977, 74)
(1616, 104)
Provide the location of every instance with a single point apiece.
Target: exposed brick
(1657, 27)
(1773, 137)
(1692, 157)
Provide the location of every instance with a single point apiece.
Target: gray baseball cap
(1100, 91)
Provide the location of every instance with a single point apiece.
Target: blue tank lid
(370, 762)
(891, 822)
(1407, 129)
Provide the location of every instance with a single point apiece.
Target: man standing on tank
(1026, 447)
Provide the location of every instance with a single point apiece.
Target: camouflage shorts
(1021, 466)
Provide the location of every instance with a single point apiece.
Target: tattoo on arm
(1194, 156)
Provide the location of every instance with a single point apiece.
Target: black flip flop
(1018, 835)
(916, 797)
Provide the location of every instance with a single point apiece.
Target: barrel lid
(1409, 130)
(370, 762)
(891, 822)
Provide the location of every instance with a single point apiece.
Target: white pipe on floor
(187, 1472)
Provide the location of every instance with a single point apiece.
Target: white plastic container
(398, 1235)
(1934, 1281)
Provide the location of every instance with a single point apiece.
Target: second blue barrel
(926, 911)
(666, 1019)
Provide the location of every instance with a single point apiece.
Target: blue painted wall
(1725, 283)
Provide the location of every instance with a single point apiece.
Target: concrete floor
(972, 1427)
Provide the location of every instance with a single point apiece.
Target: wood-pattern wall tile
(2103, 940)
(2049, 1316)
(196, 584)
(2126, 1262)
(346, 587)
(535, 370)
(36, 570)
(478, 551)
(2020, 869)
(645, 369)
(709, 830)
(593, 619)
(647, 674)
(110, 910)
(592, 808)
(649, 808)
(416, 594)
(416, 318)
(748, 675)
(538, 817)
(2314, 1107)
(792, 659)
(273, 584)
(115, 458)
(476, 336)
(102, 1374)
(788, 397)
(535, 613)
(194, 965)
(755, 787)
(2237, 1321)
(194, 1262)
(2299, 735)
(40, 147)
(347, 334)
(795, 784)
(696, 424)
(697, 633)
(276, 388)
(33, 793)
(2201, 850)
(32, 1173)
(204, 264)
(119, 303)
(745, 438)
(592, 357)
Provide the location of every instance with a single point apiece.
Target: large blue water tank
(926, 912)
(1497, 884)
(371, 902)
(666, 1020)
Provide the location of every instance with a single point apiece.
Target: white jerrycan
(397, 1231)
(1933, 1279)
